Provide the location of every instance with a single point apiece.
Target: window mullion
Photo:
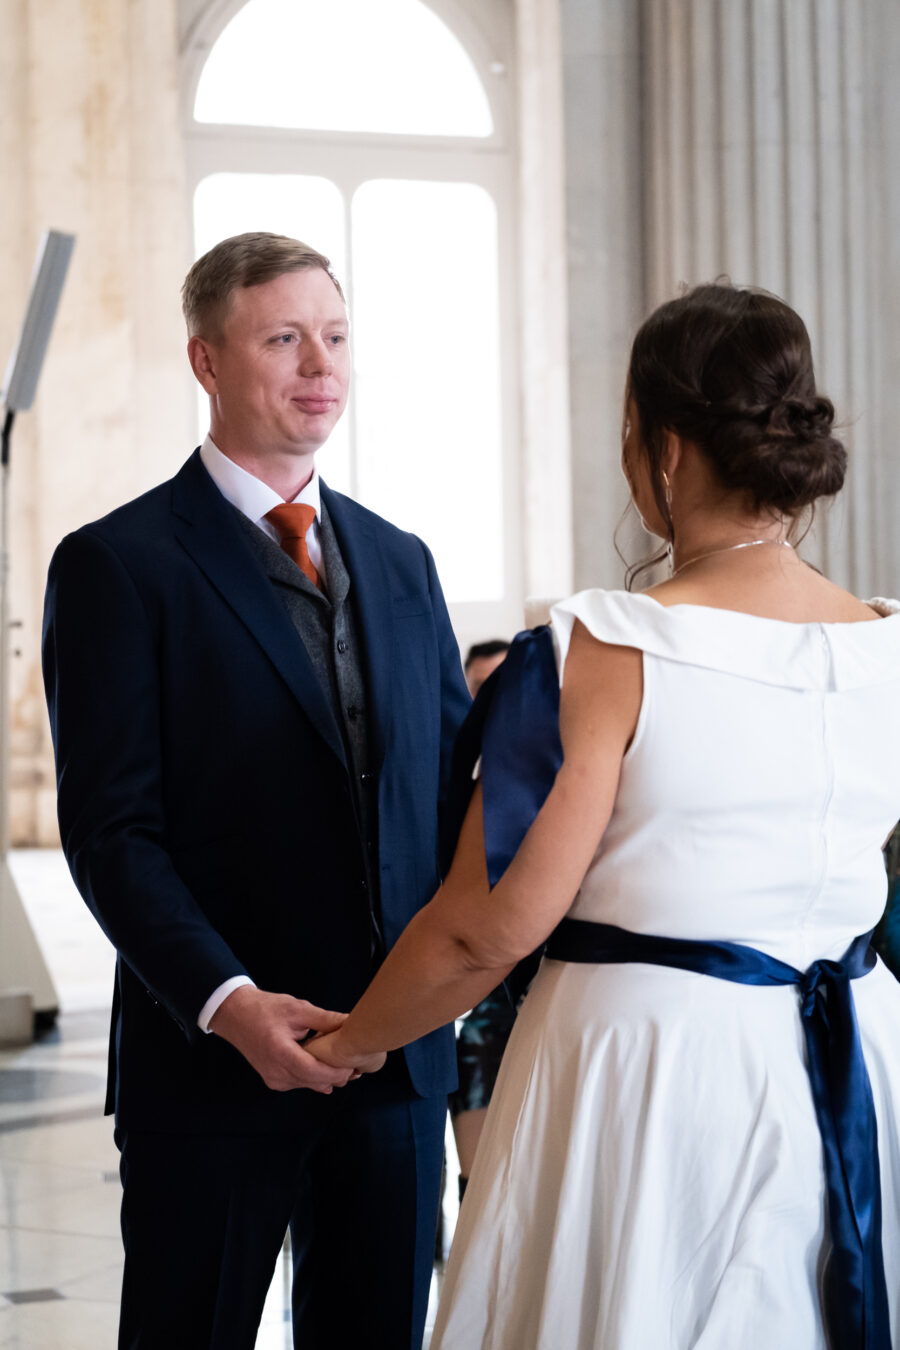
(348, 283)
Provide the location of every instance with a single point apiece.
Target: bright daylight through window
(415, 246)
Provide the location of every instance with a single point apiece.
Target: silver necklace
(730, 548)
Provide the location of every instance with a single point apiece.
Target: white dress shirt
(253, 498)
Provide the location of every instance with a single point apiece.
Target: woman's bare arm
(462, 944)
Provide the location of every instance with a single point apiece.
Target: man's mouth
(309, 404)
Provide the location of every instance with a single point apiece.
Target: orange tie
(292, 521)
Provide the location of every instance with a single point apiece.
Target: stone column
(603, 176)
(881, 208)
(761, 164)
(547, 504)
(91, 144)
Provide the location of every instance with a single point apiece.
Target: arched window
(341, 67)
(376, 135)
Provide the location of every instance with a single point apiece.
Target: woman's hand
(271, 1030)
(331, 1049)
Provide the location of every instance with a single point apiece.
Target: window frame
(351, 158)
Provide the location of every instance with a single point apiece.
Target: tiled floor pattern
(60, 1253)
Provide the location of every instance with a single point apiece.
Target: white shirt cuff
(217, 998)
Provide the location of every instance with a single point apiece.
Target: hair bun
(731, 371)
(801, 419)
(795, 461)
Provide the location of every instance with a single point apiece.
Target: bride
(693, 1140)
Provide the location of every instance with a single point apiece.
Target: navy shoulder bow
(513, 728)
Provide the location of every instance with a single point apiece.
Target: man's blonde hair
(243, 260)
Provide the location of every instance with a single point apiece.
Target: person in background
(482, 659)
(254, 691)
(482, 1036)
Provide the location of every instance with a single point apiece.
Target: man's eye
(336, 339)
(285, 338)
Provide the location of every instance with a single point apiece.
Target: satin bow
(521, 752)
(855, 1291)
(513, 729)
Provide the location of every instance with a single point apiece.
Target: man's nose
(315, 358)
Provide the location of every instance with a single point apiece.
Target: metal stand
(28, 998)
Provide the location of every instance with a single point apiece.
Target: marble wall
(90, 144)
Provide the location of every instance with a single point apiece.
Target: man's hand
(330, 1049)
(266, 1029)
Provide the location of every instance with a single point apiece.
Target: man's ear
(201, 355)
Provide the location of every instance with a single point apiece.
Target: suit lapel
(369, 583)
(206, 529)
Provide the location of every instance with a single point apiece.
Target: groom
(254, 690)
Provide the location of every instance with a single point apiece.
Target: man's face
(278, 377)
(479, 668)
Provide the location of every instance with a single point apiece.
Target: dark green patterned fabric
(480, 1043)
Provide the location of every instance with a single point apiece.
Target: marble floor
(60, 1253)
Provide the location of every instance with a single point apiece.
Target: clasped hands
(267, 1029)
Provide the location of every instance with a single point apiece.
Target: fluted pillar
(604, 176)
(761, 164)
(547, 503)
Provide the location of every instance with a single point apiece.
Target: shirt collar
(250, 495)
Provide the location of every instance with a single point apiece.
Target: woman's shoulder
(620, 618)
(605, 609)
(816, 654)
(616, 616)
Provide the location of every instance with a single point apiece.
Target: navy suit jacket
(205, 803)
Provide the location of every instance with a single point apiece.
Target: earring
(670, 552)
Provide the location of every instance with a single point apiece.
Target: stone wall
(90, 144)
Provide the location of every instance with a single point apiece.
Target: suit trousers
(204, 1218)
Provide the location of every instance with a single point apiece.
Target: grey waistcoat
(328, 628)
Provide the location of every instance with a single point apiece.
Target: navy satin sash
(514, 725)
(855, 1292)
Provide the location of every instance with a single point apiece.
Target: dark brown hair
(731, 370)
(242, 260)
(479, 650)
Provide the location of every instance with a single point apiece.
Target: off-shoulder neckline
(891, 611)
(810, 655)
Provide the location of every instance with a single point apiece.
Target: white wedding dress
(650, 1175)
